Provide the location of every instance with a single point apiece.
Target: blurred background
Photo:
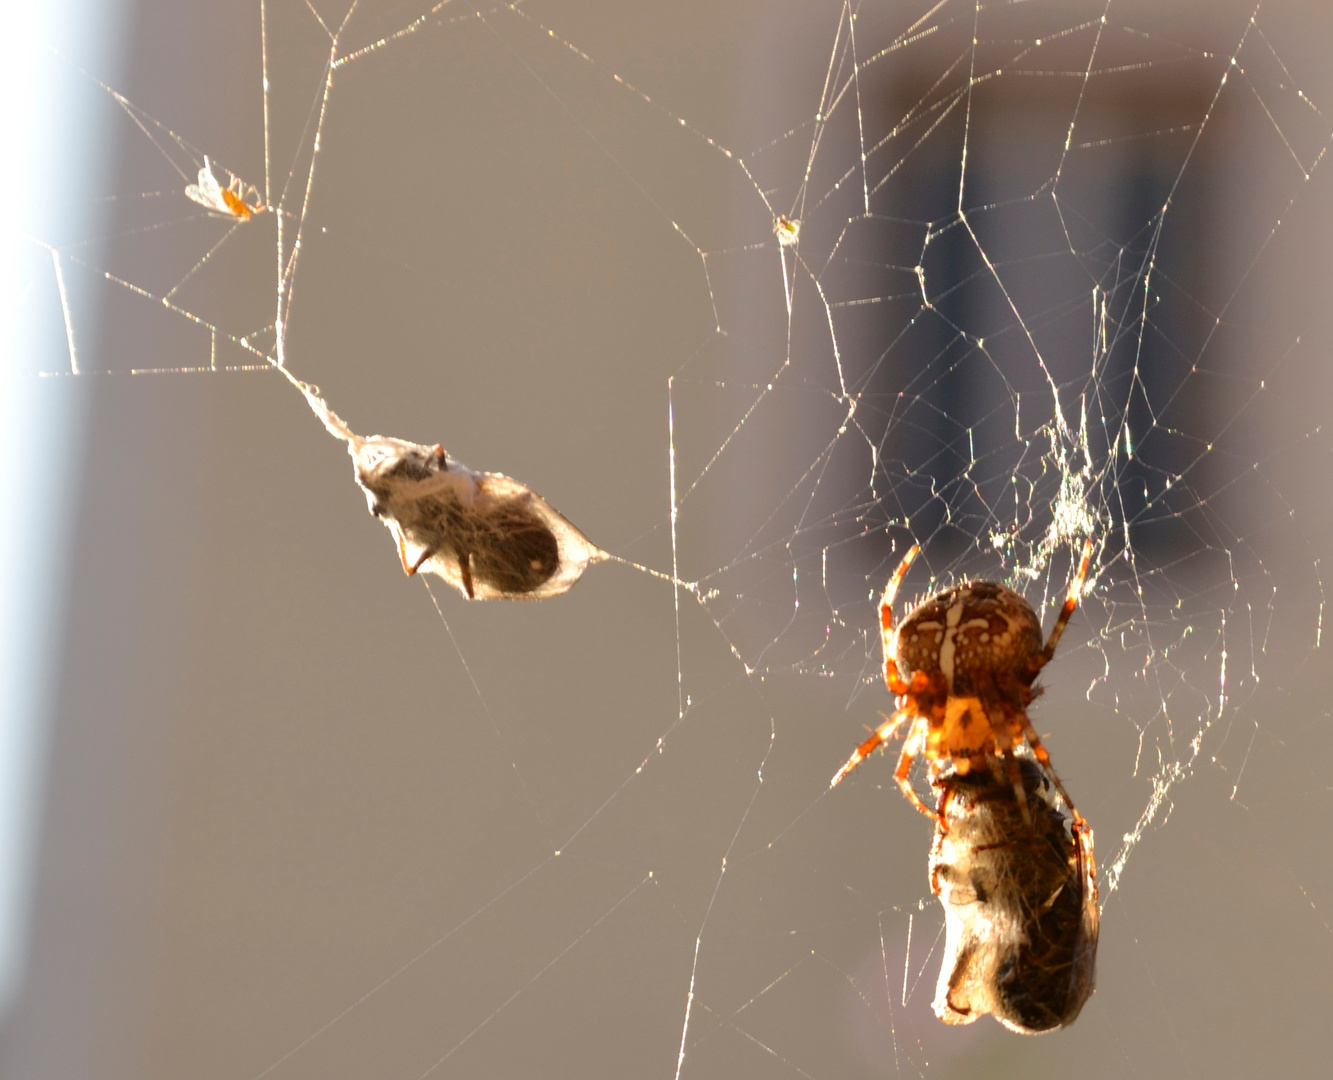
(271, 809)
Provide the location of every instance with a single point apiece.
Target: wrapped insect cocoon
(486, 534)
(1019, 888)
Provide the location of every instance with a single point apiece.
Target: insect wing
(208, 192)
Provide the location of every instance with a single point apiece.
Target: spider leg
(1039, 752)
(878, 738)
(896, 683)
(1020, 794)
(1071, 602)
(1087, 861)
(900, 687)
(910, 750)
(888, 643)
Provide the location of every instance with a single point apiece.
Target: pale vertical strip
(64, 310)
(58, 156)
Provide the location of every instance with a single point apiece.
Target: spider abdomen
(982, 637)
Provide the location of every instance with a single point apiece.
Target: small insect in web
(489, 536)
(1018, 882)
(787, 230)
(1013, 868)
(237, 200)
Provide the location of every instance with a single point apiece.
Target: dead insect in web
(487, 535)
(237, 200)
(1018, 883)
(787, 230)
(970, 654)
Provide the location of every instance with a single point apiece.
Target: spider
(238, 199)
(971, 654)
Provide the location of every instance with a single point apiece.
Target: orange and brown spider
(970, 654)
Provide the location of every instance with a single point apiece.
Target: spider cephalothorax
(962, 667)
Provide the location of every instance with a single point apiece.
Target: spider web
(1053, 276)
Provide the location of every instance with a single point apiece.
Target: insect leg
(408, 569)
(464, 567)
(411, 568)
